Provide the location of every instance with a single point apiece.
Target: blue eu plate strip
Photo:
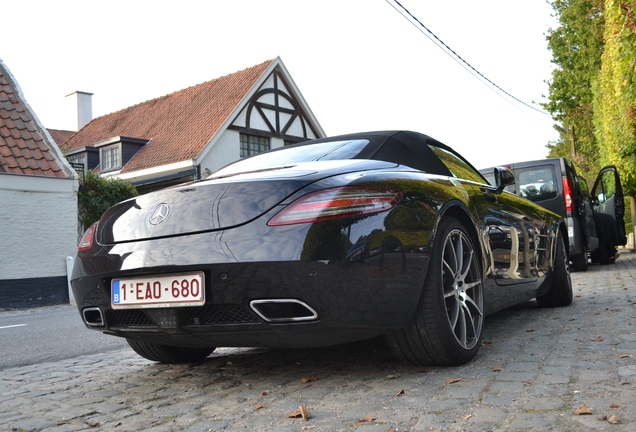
(116, 298)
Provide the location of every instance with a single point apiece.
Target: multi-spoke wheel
(448, 324)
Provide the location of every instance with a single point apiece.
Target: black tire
(169, 354)
(447, 326)
(560, 292)
(580, 261)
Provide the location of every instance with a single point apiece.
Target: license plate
(177, 290)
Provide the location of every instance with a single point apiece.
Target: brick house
(38, 206)
(185, 135)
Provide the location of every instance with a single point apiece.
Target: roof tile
(22, 149)
(179, 125)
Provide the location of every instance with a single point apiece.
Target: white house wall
(41, 223)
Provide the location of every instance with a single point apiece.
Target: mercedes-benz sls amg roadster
(320, 243)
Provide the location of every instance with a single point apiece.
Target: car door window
(585, 191)
(606, 188)
(458, 166)
(537, 184)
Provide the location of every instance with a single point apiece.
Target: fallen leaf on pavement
(309, 379)
(598, 313)
(66, 422)
(400, 393)
(259, 406)
(626, 355)
(497, 369)
(486, 343)
(301, 412)
(467, 417)
(308, 427)
(614, 406)
(527, 381)
(93, 424)
(530, 330)
(423, 371)
(613, 420)
(368, 419)
(583, 410)
(452, 380)
(391, 377)
(598, 339)
(304, 412)
(265, 393)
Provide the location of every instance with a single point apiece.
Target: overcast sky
(359, 64)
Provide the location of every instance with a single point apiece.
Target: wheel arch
(462, 214)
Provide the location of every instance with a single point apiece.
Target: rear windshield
(537, 184)
(332, 150)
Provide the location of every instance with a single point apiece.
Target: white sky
(358, 63)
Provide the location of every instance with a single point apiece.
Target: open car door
(607, 194)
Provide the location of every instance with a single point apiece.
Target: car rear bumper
(275, 304)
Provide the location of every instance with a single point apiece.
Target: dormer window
(110, 158)
(116, 152)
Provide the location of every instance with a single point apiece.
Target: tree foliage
(576, 45)
(615, 93)
(98, 194)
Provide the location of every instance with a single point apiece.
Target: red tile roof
(178, 125)
(23, 150)
(61, 136)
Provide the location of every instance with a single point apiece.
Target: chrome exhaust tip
(93, 317)
(283, 310)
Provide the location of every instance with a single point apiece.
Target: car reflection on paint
(320, 243)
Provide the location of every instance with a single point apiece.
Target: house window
(110, 158)
(78, 160)
(252, 145)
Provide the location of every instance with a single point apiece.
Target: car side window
(607, 187)
(537, 184)
(585, 191)
(458, 166)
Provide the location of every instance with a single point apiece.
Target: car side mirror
(503, 177)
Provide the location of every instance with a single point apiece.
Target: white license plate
(177, 290)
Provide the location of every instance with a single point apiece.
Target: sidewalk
(535, 369)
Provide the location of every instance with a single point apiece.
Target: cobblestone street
(536, 368)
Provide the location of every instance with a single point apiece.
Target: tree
(576, 47)
(615, 96)
(97, 194)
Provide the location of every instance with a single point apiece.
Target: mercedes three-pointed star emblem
(159, 214)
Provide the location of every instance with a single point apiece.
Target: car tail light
(337, 203)
(87, 239)
(567, 192)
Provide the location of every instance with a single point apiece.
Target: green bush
(97, 194)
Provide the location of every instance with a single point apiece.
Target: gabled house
(186, 135)
(38, 206)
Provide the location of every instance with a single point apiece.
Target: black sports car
(320, 243)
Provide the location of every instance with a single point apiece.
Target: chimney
(84, 108)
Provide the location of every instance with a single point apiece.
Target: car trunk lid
(215, 203)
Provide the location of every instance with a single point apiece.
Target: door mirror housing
(503, 177)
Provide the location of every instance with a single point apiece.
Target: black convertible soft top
(402, 147)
